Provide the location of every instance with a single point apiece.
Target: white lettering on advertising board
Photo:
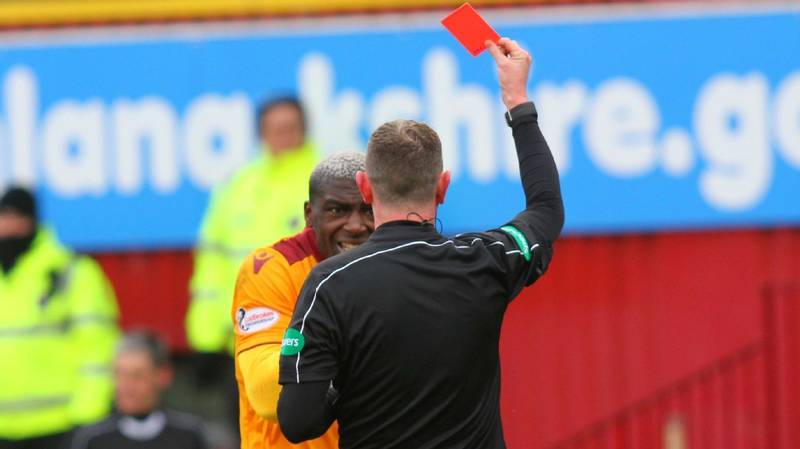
(740, 126)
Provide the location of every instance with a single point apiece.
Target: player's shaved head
(337, 167)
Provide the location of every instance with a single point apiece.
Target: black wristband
(520, 111)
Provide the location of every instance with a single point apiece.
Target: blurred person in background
(267, 287)
(58, 328)
(257, 206)
(142, 371)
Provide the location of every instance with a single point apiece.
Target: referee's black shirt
(407, 325)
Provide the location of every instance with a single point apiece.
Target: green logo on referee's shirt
(519, 238)
(293, 342)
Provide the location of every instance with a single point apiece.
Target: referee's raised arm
(544, 209)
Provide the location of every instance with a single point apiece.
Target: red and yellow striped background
(48, 13)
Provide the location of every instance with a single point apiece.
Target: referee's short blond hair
(404, 161)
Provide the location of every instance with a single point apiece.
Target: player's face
(340, 218)
(282, 128)
(138, 383)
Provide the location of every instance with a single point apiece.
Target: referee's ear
(441, 186)
(364, 186)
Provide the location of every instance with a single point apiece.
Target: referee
(398, 339)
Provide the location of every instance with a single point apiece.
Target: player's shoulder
(298, 247)
(281, 256)
(262, 261)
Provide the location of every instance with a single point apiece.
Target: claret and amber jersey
(267, 286)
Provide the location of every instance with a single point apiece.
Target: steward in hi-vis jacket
(57, 331)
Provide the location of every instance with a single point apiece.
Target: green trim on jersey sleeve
(519, 237)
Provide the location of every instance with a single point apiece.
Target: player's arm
(260, 366)
(262, 308)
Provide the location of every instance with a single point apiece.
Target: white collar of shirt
(143, 429)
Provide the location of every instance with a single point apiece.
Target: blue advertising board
(657, 121)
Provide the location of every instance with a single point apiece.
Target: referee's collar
(405, 229)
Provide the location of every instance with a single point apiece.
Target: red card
(470, 29)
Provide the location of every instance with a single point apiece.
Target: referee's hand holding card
(513, 67)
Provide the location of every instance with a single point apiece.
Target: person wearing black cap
(57, 332)
(17, 225)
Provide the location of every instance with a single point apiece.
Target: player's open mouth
(344, 246)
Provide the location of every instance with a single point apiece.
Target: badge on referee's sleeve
(520, 239)
(293, 342)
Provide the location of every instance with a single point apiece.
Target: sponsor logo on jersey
(293, 342)
(257, 319)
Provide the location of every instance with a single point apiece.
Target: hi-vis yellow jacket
(261, 204)
(57, 335)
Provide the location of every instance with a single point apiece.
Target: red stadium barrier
(619, 319)
(747, 400)
(782, 324)
(152, 290)
(655, 341)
